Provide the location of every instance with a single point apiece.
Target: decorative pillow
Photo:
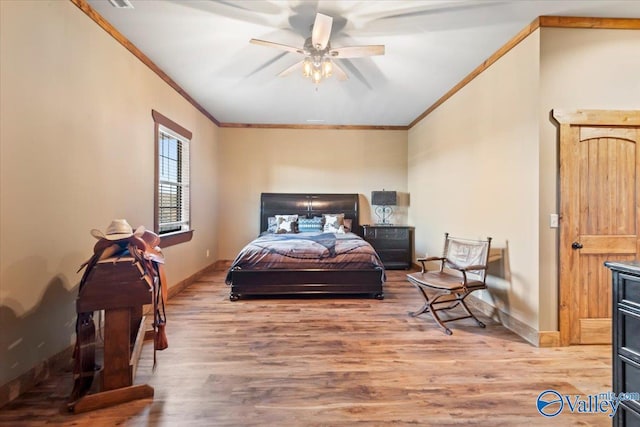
(286, 224)
(272, 224)
(310, 224)
(333, 223)
(347, 224)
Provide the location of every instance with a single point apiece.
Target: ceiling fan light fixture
(307, 67)
(317, 69)
(317, 76)
(317, 51)
(327, 67)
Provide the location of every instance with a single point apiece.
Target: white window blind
(173, 181)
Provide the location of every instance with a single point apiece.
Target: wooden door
(600, 219)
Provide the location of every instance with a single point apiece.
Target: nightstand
(394, 244)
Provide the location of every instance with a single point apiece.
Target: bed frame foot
(379, 295)
(233, 296)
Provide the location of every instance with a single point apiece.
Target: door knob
(576, 245)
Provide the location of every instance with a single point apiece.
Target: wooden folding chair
(463, 267)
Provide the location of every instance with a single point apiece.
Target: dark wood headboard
(309, 205)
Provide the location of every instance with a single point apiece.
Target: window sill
(178, 237)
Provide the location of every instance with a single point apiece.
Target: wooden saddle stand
(120, 277)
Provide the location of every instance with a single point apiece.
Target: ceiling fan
(318, 53)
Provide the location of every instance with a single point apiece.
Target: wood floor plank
(332, 362)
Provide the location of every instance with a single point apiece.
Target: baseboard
(548, 339)
(183, 284)
(514, 325)
(223, 264)
(63, 360)
(35, 375)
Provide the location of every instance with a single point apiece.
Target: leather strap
(163, 284)
(160, 319)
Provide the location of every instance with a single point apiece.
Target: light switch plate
(553, 220)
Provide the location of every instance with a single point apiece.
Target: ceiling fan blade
(339, 72)
(357, 51)
(294, 67)
(277, 45)
(321, 31)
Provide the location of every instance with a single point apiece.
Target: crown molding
(285, 126)
(111, 30)
(541, 21)
(582, 22)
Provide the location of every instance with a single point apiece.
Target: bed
(346, 265)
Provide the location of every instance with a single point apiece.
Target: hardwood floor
(332, 362)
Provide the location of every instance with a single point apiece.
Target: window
(172, 192)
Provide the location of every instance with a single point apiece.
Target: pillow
(286, 224)
(310, 224)
(333, 223)
(272, 224)
(347, 224)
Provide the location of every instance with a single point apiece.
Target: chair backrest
(467, 252)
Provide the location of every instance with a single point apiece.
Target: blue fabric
(309, 224)
(328, 240)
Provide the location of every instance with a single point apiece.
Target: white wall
(76, 151)
(498, 132)
(579, 69)
(304, 161)
(473, 172)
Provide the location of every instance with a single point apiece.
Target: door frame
(570, 122)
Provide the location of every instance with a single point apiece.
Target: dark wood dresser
(394, 244)
(626, 338)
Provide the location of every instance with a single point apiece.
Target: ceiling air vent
(121, 4)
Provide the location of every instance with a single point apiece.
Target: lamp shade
(384, 198)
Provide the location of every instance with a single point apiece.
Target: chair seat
(445, 288)
(444, 281)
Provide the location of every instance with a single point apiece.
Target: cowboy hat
(118, 229)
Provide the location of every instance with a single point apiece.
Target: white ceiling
(203, 45)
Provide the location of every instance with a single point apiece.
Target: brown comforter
(305, 251)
